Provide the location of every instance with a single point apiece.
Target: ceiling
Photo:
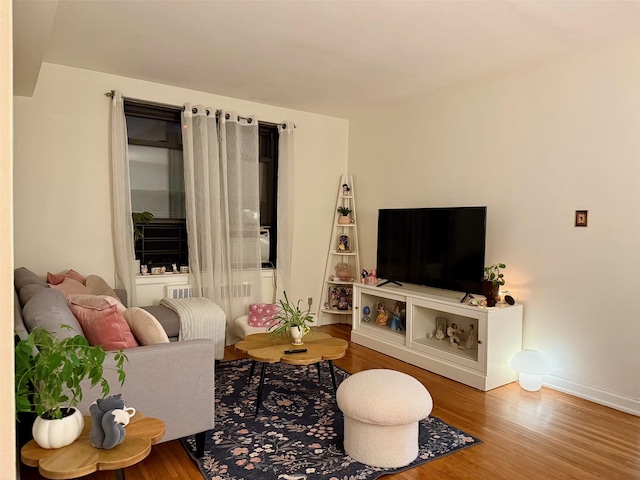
(328, 57)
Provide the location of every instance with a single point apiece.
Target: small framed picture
(581, 218)
(344, 243)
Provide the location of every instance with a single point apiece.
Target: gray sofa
(170, 381)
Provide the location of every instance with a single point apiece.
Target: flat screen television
(433, 247)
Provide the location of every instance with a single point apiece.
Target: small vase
(296, 334)
(491, 292)
(58, 433)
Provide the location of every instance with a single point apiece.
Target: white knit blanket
(199, 318)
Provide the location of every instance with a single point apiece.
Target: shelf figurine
(454, 338)
(439, 332)
(366, 310)
(345, 189)
(396, 323)
(472, 339)
(383, 317)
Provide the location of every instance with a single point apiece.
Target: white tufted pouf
(242, 328)
(381, 412)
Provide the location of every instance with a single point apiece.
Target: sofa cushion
(262, 315)
(23, 276)
(145, 327)
(69, 286)
(28, 291)
(57, 278)
(95, 301)
(49, 309)
(167, 318)
(98, 286)
(104, 326)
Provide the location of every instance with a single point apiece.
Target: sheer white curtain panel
(222, 203)
(122, 223)
(286, 197)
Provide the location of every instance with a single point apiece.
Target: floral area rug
(298, 433)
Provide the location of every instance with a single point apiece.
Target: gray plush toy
(106, 431)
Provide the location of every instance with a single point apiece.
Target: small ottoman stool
(242, 327)
(381, 412)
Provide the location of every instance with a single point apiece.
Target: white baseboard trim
(609, 399)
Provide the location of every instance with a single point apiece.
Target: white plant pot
(296, 334)
(58, 433)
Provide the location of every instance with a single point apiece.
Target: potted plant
(292, 321)
(344, 215)
(48, 373)
(491, 281)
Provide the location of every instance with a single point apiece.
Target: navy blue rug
(298, 433)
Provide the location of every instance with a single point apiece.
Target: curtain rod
(181, 108)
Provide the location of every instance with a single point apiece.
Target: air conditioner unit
(264, 240)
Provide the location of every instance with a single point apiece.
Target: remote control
(300, 350)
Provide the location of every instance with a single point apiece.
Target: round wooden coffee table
(81, 458)
(319, 346)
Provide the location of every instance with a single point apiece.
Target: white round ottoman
(381, 412)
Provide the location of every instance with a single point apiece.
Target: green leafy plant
(492, 274)
(290, 316)
(48, 372)
(344, 211)
(140, 217)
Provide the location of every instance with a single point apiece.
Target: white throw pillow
(145, 327)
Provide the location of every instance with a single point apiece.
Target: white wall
(534, 146)
(62, 192)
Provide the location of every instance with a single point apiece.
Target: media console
(488, 337)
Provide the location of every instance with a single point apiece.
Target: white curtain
(222, 204)
(122, 224)
(286, 200)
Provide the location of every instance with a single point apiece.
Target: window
(268, 138)
(157, 184)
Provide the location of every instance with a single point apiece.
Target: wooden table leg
(120, 474)
(253, 367)
(319, 377)
(259, 398)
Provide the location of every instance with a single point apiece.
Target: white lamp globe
(531, 365)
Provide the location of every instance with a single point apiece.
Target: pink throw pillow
(57, 278)
(104, 326)
(69, 286)
(263, 315)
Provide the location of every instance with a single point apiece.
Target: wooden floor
(544, 435)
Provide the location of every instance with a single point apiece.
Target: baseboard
(609, 399)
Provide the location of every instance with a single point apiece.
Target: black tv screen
(433, 247)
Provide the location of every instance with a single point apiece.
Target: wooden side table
(81, 458)
(319, 346)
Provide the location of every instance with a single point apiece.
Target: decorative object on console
(453, 334)
(43, 366)
(491, 281)
(291, 317)
(531, 366)
(344, 215)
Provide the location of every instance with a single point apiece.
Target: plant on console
(491, 281)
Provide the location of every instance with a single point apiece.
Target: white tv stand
(484, 365)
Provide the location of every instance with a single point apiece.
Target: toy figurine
(345, 189)
(383, 317)
(396, 323)
(454, 338)
(472, 338)
(439, 332)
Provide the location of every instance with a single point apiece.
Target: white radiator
(177, 291)
(239, 290)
